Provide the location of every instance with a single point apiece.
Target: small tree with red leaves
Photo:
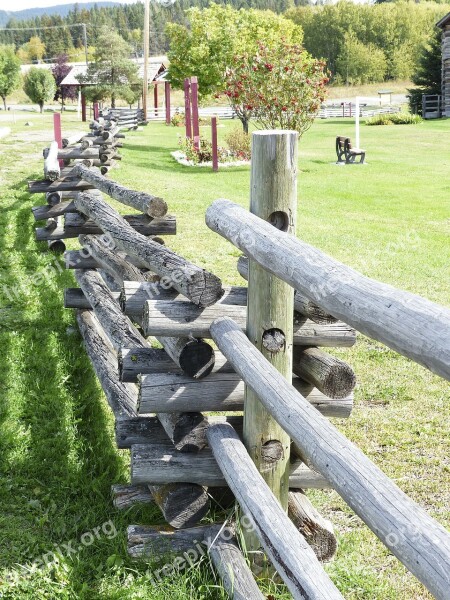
(59, 71)
(279, 88)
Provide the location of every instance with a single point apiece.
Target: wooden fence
(271, 363)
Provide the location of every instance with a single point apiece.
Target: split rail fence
(271, 363)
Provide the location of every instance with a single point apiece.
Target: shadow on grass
(57, 455)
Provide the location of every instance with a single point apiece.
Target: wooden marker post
(215, 157)
(273, 197)
(167, 100)
(83, 108)
(187, 107)
(195, 123)
(96, 111)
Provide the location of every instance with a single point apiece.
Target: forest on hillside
(387, 36)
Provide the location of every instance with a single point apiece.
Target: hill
(61, 10)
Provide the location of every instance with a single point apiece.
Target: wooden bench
(344, 150)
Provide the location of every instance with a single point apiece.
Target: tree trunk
(41, 106)
(4, 101)
(113, 101)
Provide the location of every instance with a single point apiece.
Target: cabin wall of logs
(167, 341)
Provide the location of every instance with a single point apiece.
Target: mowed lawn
(389, 219)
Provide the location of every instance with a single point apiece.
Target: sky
(22, 4)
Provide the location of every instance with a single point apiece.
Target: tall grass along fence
(271, 364)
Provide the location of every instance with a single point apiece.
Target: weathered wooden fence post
(215, 157)
(167, 100)
(83, 108)
(96, 111)
(195, 123)
(273, 197)
(187, 107)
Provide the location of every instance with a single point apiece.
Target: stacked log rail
(131, 118)
(81, 156)
(409, 324)
(132, 288)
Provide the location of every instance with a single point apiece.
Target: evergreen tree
(428, 75)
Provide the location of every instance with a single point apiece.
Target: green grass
(389, 219)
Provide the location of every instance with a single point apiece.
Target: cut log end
(182, 505)
(197, 359)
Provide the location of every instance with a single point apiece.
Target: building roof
(444, 21)
(157, 71)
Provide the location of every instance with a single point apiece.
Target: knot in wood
(274, 340)
(272, 452)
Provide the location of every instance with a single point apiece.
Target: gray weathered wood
(71, 140)
(146, 361)
(99, 248)
(53, 198)
(52, 170)
(220, 391)
(402, 525)
(231, 565)
(182, 504)
(285, 546)
(75, 298)
(151, 542)
(126, 496)
(135, 294)
(77, 224)
(201, 287)
(316, 530)
(76, 259)
(270, 309)
(61, 185)
(182, 318)
(148, 430)
(146, 203)
(50, 210)
(332, 376)
(302, 304)
(161, 464)
(185, 430)
(122, 397)
(409, 324)
(77, 153)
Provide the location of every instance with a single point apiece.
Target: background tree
(428, 75)
(112, 72)
(214, 35)
(280, 87)
(59, 71)
(359, 63)
(9, 72)
(39, 86)
(34, 49)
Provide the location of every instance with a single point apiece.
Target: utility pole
(146, 52)
(85, 42)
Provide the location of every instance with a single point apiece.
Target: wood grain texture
(303, 305)
(61, 185)
(332, 376)
(220, 391)
(201, 287)
(146, 203)
(161, 464)
(316, 530)
(181, 318)
(293, 558)
(409, 324)
(417, 540)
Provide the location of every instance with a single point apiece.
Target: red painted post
(187, 108)
(167, 100)
(83, 108)
(350, 106)
(195, 125)
(215, 157)
(155, 98)
(96, 111)
(57, 133)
